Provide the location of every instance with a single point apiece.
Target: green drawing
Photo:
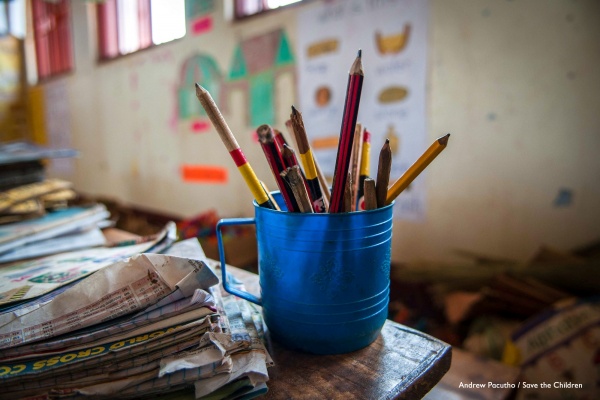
(196, 8)
(200, 69)
(261, 99)
(259, 60)
(284, 55)
(256, 64)
(238, 69)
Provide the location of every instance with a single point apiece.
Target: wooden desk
(401, 364)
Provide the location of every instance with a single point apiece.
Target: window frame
(107, 30)
(238, 4)
(53, 38)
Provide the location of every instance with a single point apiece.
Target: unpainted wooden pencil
(370, 195)
(383, 173)
(348, 194)
(294, 179)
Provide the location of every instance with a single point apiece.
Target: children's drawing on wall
(198, 8)
(257, 64)
(202, 69)
(198, 15)
(392, 102)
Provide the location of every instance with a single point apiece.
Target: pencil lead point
(294, 111)
(387, 141)
(444, 139)
(359, 53)
(199, 89)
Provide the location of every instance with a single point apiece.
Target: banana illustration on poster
(392, 35)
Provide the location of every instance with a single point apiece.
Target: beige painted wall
(515, 82)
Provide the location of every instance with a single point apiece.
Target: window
(246, 8)
(126, 26)
(52, 35)
(12, 18)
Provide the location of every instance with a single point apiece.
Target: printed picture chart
(392, 35)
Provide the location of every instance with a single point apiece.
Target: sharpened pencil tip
(199, 90)
(294, 111)
(359, 55)
(444, 140)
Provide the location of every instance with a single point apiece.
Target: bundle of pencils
(304, 187)
(272, 150)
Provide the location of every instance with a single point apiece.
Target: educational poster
(393, 38)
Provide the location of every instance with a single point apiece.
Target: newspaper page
(123, 287)
(26, 280)
(196, 306)
(103, 363)
(190, 337)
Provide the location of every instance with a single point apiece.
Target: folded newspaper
(148, 326)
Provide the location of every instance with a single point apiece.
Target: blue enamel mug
(324, 278)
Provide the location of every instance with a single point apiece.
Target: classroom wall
(514, 82)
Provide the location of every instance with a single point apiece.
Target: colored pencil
(383, 173)
(355, 162)
(365, 164)
(322, 180)
(308, 162)
(279, 138)
(414, 170)
(270, 196)
(342, 163)
(266, 137)
(233, 148)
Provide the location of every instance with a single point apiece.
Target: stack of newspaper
(148, 326)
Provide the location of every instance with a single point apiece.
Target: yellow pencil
(233, 148)
(430, 154)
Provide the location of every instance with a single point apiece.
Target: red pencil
(353, 91)
(266, 137)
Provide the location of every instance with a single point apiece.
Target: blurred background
(510, 205)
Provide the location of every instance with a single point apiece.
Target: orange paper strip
(204, 174)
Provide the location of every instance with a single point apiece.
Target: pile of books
(152, 325)
(36, 209)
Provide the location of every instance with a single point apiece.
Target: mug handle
(240, 293)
